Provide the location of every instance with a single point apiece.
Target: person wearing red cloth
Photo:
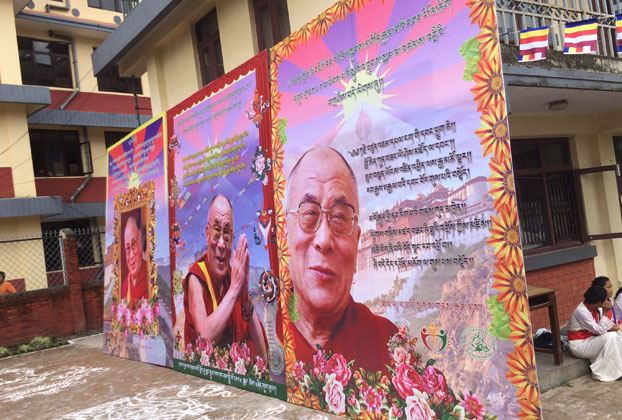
(216, 299)
(592, 335)
(323, 234)
(135, 284)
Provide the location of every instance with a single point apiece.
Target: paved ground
(78, 381)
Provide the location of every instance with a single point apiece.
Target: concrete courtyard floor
(79, 382)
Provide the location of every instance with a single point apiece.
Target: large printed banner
(223, 234)
(137, 300)
(399, 252)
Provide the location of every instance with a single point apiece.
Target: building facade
(565, 116)
(56, 120)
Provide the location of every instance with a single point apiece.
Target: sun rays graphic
(359, 84)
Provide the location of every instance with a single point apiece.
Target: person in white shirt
(594, 336)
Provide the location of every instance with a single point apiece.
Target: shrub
(23, 348)
(4, 352)
(40, 343)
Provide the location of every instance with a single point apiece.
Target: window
(210, 52)
(112, 5)
(110, 81)
(55, 153)
(89, 251)
(271, 21)
(44, 63)
(545, 188)
(111, 137)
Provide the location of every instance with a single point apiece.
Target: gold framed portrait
(135, 305)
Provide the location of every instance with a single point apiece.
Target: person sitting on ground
(594, 336)
(5, 287)
(605, 283)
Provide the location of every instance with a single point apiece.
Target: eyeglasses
(217, 232)
(340, 218)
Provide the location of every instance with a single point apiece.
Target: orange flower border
(494, 135)
(505, 238)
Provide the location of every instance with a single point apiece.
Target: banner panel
(137, 299)
(223, 234)
(404, 290)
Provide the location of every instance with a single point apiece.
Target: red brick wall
(569, 282)
(47, 312)
(53, 312)
(6, 183)
(93, 296)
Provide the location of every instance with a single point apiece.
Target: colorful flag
(619, 32)
(580, 37)
(533, 44)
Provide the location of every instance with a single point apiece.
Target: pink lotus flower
(299, 371)
(319, 363)
(113, 309)
(417, 407)
(338, 365)
(472, 405)
(156, 309)
(407, 380)
(334, 396)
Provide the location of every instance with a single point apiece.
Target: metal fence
(38, 262)
(516, 15)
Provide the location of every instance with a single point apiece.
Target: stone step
(551, 376)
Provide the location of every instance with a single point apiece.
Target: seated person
(605, 283)
(594, 336)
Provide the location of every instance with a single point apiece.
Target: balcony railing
(128, 6)
(516, 15)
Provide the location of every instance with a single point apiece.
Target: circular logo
(478, 343)
(277, 360)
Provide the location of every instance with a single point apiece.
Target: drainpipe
(75, 65)
(89, 162)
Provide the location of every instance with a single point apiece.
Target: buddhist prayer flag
(619, 32)
(533, 44)
(580, 37)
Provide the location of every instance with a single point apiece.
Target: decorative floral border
(494, 139)
(235, 357)
(143, 319)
